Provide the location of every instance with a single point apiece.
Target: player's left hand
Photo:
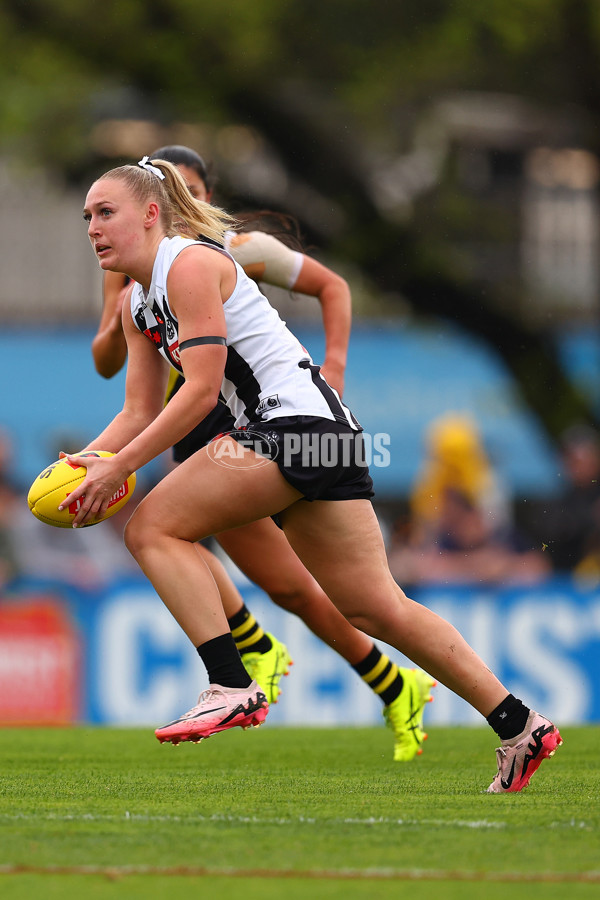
(104, 476)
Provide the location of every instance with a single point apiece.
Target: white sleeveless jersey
(268, 373)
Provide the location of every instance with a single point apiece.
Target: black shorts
(321, 458)
(219, 421)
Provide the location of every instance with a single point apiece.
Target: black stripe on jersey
(207, 339)
(241, 375)
(340, 413)
(207, 240)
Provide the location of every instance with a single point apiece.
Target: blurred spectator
(466, 548)
(460, 528)
(572, 521)
(456, 460)
(87, 558)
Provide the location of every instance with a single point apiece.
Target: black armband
(208, 339)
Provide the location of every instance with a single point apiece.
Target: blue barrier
(400, 377)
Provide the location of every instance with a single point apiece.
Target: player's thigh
(263, 553)
(340, 543)
(203, 496)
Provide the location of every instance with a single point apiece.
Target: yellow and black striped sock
(381, 674)
(247, 633)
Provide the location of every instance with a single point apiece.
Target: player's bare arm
(199, 281)
(333, 294)
(109, 347)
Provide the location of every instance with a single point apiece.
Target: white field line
(142, 819)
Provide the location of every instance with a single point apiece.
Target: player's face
(195, 185)
(115, 224)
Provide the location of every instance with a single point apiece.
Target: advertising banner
(119, 658)
(40, 668)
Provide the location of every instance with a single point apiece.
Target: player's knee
(136, 534)
(289, 597)
(377, 614)
(373, 625)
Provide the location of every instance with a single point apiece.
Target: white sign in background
(144, 671)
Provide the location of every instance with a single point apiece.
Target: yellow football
(58, 480)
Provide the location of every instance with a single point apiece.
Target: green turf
(281, 812)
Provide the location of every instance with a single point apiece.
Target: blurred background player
(260, 549)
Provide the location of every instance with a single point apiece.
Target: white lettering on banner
(537, 631)
(33, 664)
(147, 672)
(529, 635)
(476, 618)
(322, 689)
(131, 690)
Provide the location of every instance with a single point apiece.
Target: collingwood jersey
(268, 374)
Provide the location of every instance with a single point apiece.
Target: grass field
(291, 813)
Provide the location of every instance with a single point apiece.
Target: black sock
(223, 664)
(509, 718)
(381, 674)
(247, 633)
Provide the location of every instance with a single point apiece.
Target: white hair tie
(146, 164)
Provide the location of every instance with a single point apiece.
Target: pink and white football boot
(519, 757)
(218, 709)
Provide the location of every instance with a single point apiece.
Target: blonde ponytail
(196, 216)
(180, 212)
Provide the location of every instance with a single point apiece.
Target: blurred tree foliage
(336, 88)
